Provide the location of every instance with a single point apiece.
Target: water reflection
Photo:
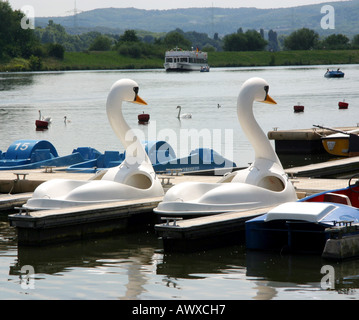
(131, 254)
(139, 259)
(302, 272)
(13, 81)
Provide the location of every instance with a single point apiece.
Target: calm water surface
(134, 266)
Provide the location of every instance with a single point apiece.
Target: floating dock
(301, 141)
(50, 226)
(9, 201)
(208, 231)
(343, 242)
(204, 232)
(340, 167)
(16, 187)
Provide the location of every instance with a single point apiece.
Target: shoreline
(110, 60)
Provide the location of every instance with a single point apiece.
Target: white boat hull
(178, 66)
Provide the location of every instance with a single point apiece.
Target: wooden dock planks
(205, 232)
(49, 226)
(325, 169)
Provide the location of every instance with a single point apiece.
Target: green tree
(355, 41)
(336, 41)
(129, 36)
(235, 42)
(56, 50)
(273, 41)
(35, 63)
(14, 40)
(251, 40)
(255, 41)
(101, 43)
(302, 39)
(176, 39)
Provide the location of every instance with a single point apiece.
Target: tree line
(53, 40)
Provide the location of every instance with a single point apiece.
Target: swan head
(125, 90)
(255, 89)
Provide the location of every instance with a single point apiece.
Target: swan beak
(139, 100)
(269, 100)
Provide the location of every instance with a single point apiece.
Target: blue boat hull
(162, 157)
(34, 154)
(291, 233)
(334, 74)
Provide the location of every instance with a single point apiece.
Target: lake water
(134, 266)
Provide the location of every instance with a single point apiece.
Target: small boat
(41, 124)
(341, 143)
(343, 105)
(205, 69)
(298, 108)
(334, 74)
(185, 60)
(143, 118)
(108, 159)
(200, 159)
(162, 157)
(307, 224)
(34, 154)
(262, 184)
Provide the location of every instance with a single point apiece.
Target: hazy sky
(66, 7)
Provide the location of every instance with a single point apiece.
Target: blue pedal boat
(305, 225)
(334, 74)
(162, 157)
(34, 154)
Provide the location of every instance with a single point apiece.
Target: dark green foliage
(35, 63)
(302, 39)
(101, 43)
(14, 40)
(129, 36)
(56, 50)
(336, 41)
(251, 40)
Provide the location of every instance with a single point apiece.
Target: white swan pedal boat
(263, 184)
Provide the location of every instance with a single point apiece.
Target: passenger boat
(334, 74)
(307, 224)
(185, 60)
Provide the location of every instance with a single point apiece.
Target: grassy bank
(283, 58)
(112, 60)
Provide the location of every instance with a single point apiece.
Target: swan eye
(266, 89)
(136, 92)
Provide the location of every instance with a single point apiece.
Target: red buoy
(298, 108)
(143, 118)
(41, 124)
(343, 105)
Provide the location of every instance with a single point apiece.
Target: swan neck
(253, 132)
(123, 131)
